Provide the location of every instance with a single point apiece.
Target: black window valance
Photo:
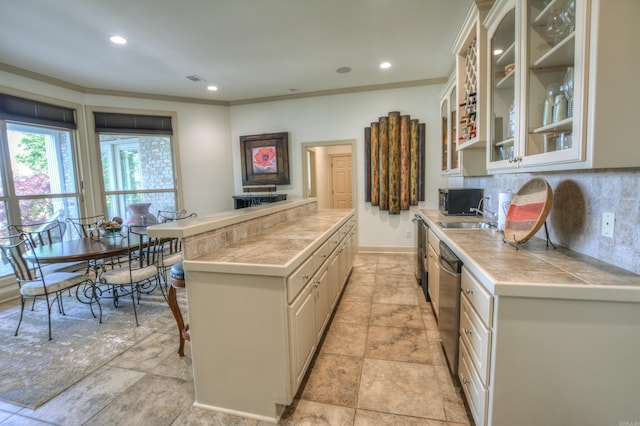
(23, 110)
(107, 122)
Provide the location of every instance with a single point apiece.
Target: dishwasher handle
(449, 262)
(446, 267)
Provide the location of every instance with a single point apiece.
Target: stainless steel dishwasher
(449, 320)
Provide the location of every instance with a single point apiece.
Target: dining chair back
(170, 215)
(43, 233)
(140, 274)
(171, 254)
(47, 233)
(32, 281)
(84, 225)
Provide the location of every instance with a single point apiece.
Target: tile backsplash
(579, 199)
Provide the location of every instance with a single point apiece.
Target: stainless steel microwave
(459, 201)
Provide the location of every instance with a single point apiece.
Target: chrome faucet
(492, 216)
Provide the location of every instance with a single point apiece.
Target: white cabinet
(471, 66)
(470, 162)
(302, 328)
(268, 321)
(555, 38)
(476, 313)
(322, 292)
(572, 85)
(503, 72)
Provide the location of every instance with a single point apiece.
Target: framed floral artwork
(265, 159)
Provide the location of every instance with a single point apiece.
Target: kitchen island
(262, 283)
(555, 338)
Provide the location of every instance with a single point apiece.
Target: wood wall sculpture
(394, 162)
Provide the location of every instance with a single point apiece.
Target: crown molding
(120, 93)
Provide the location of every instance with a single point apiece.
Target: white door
(341, 193)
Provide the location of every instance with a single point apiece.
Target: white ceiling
(249, 49)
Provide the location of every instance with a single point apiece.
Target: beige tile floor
(380, 363)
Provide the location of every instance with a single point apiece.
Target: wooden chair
(33, 282)
(177, 281)
(140, 274)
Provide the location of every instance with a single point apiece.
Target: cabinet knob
(468, 291)
(467, 331)
(465, 381)
(305, 277)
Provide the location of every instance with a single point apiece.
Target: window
(137, 162)
(38, 182)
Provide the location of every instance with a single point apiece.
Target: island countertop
(534, 270)
(276, 251)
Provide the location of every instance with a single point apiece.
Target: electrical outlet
(608, 219)
(408, 234)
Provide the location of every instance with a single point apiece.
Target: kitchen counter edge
(514, 288)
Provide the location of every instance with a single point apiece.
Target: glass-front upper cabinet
(554, 64)
(469, 48)
(454, 162)
(502, 83)
(450, 157)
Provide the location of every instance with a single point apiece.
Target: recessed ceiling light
(116, 39)
(343, 70)
(385, 65)
(498, 51)
(292, 90)
(212, 88)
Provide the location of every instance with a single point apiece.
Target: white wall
(208, 137)
(203, 135)
(343, 117)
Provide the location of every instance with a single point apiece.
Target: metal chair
(170, 215)
(33, 282)
(84, 225)
(47, 233)
(140, 274)
(171, 253)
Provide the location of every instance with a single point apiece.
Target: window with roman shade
(137, 160)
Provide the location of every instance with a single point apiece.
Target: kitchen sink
(464, 225)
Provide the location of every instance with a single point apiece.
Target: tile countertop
(277, 251)
(534, 270)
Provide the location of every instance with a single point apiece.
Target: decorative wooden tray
(528, 211)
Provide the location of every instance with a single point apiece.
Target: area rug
(34, 369)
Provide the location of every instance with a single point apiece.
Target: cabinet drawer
(321, 255)
(477, 395)
(477, 338)
(299, 278)
(479, 297)
(334, 240)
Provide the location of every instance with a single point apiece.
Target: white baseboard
(374, 249)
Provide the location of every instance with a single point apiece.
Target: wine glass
(555, 27)
(568, 90)
(553, 90)
(568, 16)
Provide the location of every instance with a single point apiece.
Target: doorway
(334, 187)
(341, 176)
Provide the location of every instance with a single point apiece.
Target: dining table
(95, 251)
(85, 249)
